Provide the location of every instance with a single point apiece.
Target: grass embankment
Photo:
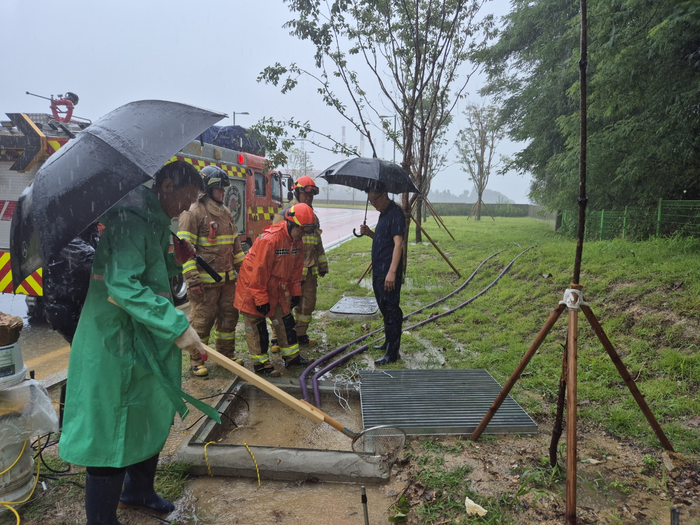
(646, 296)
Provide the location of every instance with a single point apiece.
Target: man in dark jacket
(387, 270)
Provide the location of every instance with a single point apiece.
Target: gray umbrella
(370, 174)
(92, 172)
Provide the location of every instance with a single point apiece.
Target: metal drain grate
(438, 402)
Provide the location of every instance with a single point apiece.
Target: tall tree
(409, 57)
(644, 98)
(476, 144)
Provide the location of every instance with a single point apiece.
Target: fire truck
(255, 195)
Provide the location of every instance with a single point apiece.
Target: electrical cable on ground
(333, 353)
(346, 357)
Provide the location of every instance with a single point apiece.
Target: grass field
(646, 296)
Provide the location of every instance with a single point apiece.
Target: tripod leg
(571, 417)
(558, 427)
(638, 397)
(544, 331)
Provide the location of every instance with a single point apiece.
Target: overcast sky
(207, 53)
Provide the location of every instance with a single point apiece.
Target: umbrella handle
(355, 233)
(365, 221)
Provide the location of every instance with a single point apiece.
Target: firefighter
(271, 271)
(315, 262)
(210, 227)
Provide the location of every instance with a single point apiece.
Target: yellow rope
(9, 504)
(206, 456)
(257, 470)
(20, 455)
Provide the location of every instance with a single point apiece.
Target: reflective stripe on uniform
(238, 258)
(218, 241)
(288, 351)
(224, 336)
(260, 359)
(187, 236)
(301, 318)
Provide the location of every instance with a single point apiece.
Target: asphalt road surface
(46, 353)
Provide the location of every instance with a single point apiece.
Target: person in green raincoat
(124, 376)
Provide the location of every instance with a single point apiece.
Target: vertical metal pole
(675, 516)
(624, 223)
(571, 438)
(658, 219)
(602, 224)
(364, 505)
(394, 138)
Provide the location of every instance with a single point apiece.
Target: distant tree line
(643, 99)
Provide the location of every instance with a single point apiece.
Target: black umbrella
(92, 172)
(370, 175)
(365, 174)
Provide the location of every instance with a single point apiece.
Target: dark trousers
(388, 302)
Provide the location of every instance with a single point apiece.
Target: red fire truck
(256, 193)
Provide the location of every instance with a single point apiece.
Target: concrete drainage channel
(284, 444)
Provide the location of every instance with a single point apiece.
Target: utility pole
(238, 113)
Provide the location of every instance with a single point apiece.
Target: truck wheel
(178, 287)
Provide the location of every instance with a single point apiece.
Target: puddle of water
(240, 501)
(268, 422)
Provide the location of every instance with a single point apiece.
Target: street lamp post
(238, 113)
(394, 138)
(305, 164)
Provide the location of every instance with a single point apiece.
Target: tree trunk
(478, 208)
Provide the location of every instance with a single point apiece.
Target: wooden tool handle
(313, 413)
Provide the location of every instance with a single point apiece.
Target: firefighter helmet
(302, 216)
(306, 184)
(214, 177)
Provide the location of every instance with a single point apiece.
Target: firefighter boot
(275, 348)
(297, 360)
(304, 340)
(199, 370)
(102, 498)
(266, 369)
(139, 491)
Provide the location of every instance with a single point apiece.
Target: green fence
(668, 218)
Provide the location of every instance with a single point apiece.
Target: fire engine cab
(255, 195)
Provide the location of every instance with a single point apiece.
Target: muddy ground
(618, 482)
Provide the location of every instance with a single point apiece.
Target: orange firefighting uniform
(272, 269)
(221, 248)
(315, 264)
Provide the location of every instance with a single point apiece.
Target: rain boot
(381, 346)
(102, 498)
(139, 491)
(392, 354)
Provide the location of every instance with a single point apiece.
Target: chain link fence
(668, 218)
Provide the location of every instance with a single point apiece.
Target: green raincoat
(124, 376)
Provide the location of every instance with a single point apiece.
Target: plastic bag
(26, 411)
(66, 283)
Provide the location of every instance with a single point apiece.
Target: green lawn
(645, 295)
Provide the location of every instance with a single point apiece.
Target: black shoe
(298, 360)
(387, 359)
(381, 346)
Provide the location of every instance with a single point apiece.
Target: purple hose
(314, 379)
(302, 376)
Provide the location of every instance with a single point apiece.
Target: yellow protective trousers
(215, 307)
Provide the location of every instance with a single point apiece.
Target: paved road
(47, 353)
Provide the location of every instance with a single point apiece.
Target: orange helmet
(306, 184)
(301, 216)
